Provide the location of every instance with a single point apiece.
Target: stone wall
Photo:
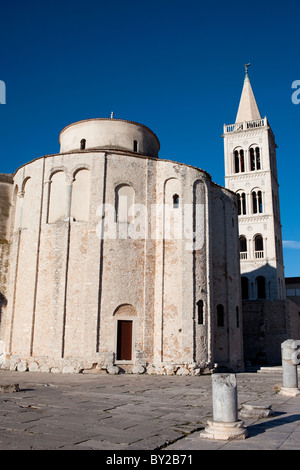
(76, 275)
(266, 325)
(6, 182)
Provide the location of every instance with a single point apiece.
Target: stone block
(138, 369)
(68, 369)
(182, 371)
(10, 388)
(22, 366)
(113, 370)
(33, 367)
(255, 411)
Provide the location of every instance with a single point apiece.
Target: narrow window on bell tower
(241, 204)
(255, 159)
(239, 161)
(257, 155)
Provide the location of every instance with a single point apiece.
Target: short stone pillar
(289, 368)
(225, 424)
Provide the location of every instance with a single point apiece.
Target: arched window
(245, 288)
(175, 201)
(135, 146)
(255, 159)
(81, 196)
(220, 315)
(57, 197)
(241, 204)
(259, 246)
(82, 144)
(261, 287)
(243, 247)
(257, 204)
(200, 312)
(236, 161)
(125, 196)
(239, 162)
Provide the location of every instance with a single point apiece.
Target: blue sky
(177, 67)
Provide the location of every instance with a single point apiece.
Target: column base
(224, 431)
(289, 391)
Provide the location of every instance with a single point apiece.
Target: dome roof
(105, 133)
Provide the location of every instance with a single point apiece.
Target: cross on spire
(246, 69)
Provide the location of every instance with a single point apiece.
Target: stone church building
(115, 259)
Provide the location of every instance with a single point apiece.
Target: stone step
(272, 370)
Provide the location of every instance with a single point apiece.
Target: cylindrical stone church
(114, 259)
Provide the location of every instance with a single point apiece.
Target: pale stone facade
(113, 258)
(251, 172)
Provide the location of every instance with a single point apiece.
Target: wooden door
(124, 340)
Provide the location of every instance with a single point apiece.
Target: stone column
(69, 200)
(225, 424)
(289, 368)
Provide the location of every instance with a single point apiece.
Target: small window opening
(261, 287)
(236, 161)
(257, 154)
(245, 288)
(220, 315)
(82, 144)
(260, 206)
(252, 159)
(237, 312)
(242, 204)
(175, 201)
(239, 162)
(135, 146)
(200, 312)
(259, 244)
(255, 159)
(243, 248)
(257, 202)
(242, 167)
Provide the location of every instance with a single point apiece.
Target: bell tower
(251, 172)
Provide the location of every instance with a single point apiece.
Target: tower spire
(248, 109)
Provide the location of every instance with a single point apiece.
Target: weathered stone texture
(266, 325)
(71, 284)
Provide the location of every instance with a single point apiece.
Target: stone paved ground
(135, 412)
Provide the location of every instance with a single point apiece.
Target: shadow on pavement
(259, 428)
